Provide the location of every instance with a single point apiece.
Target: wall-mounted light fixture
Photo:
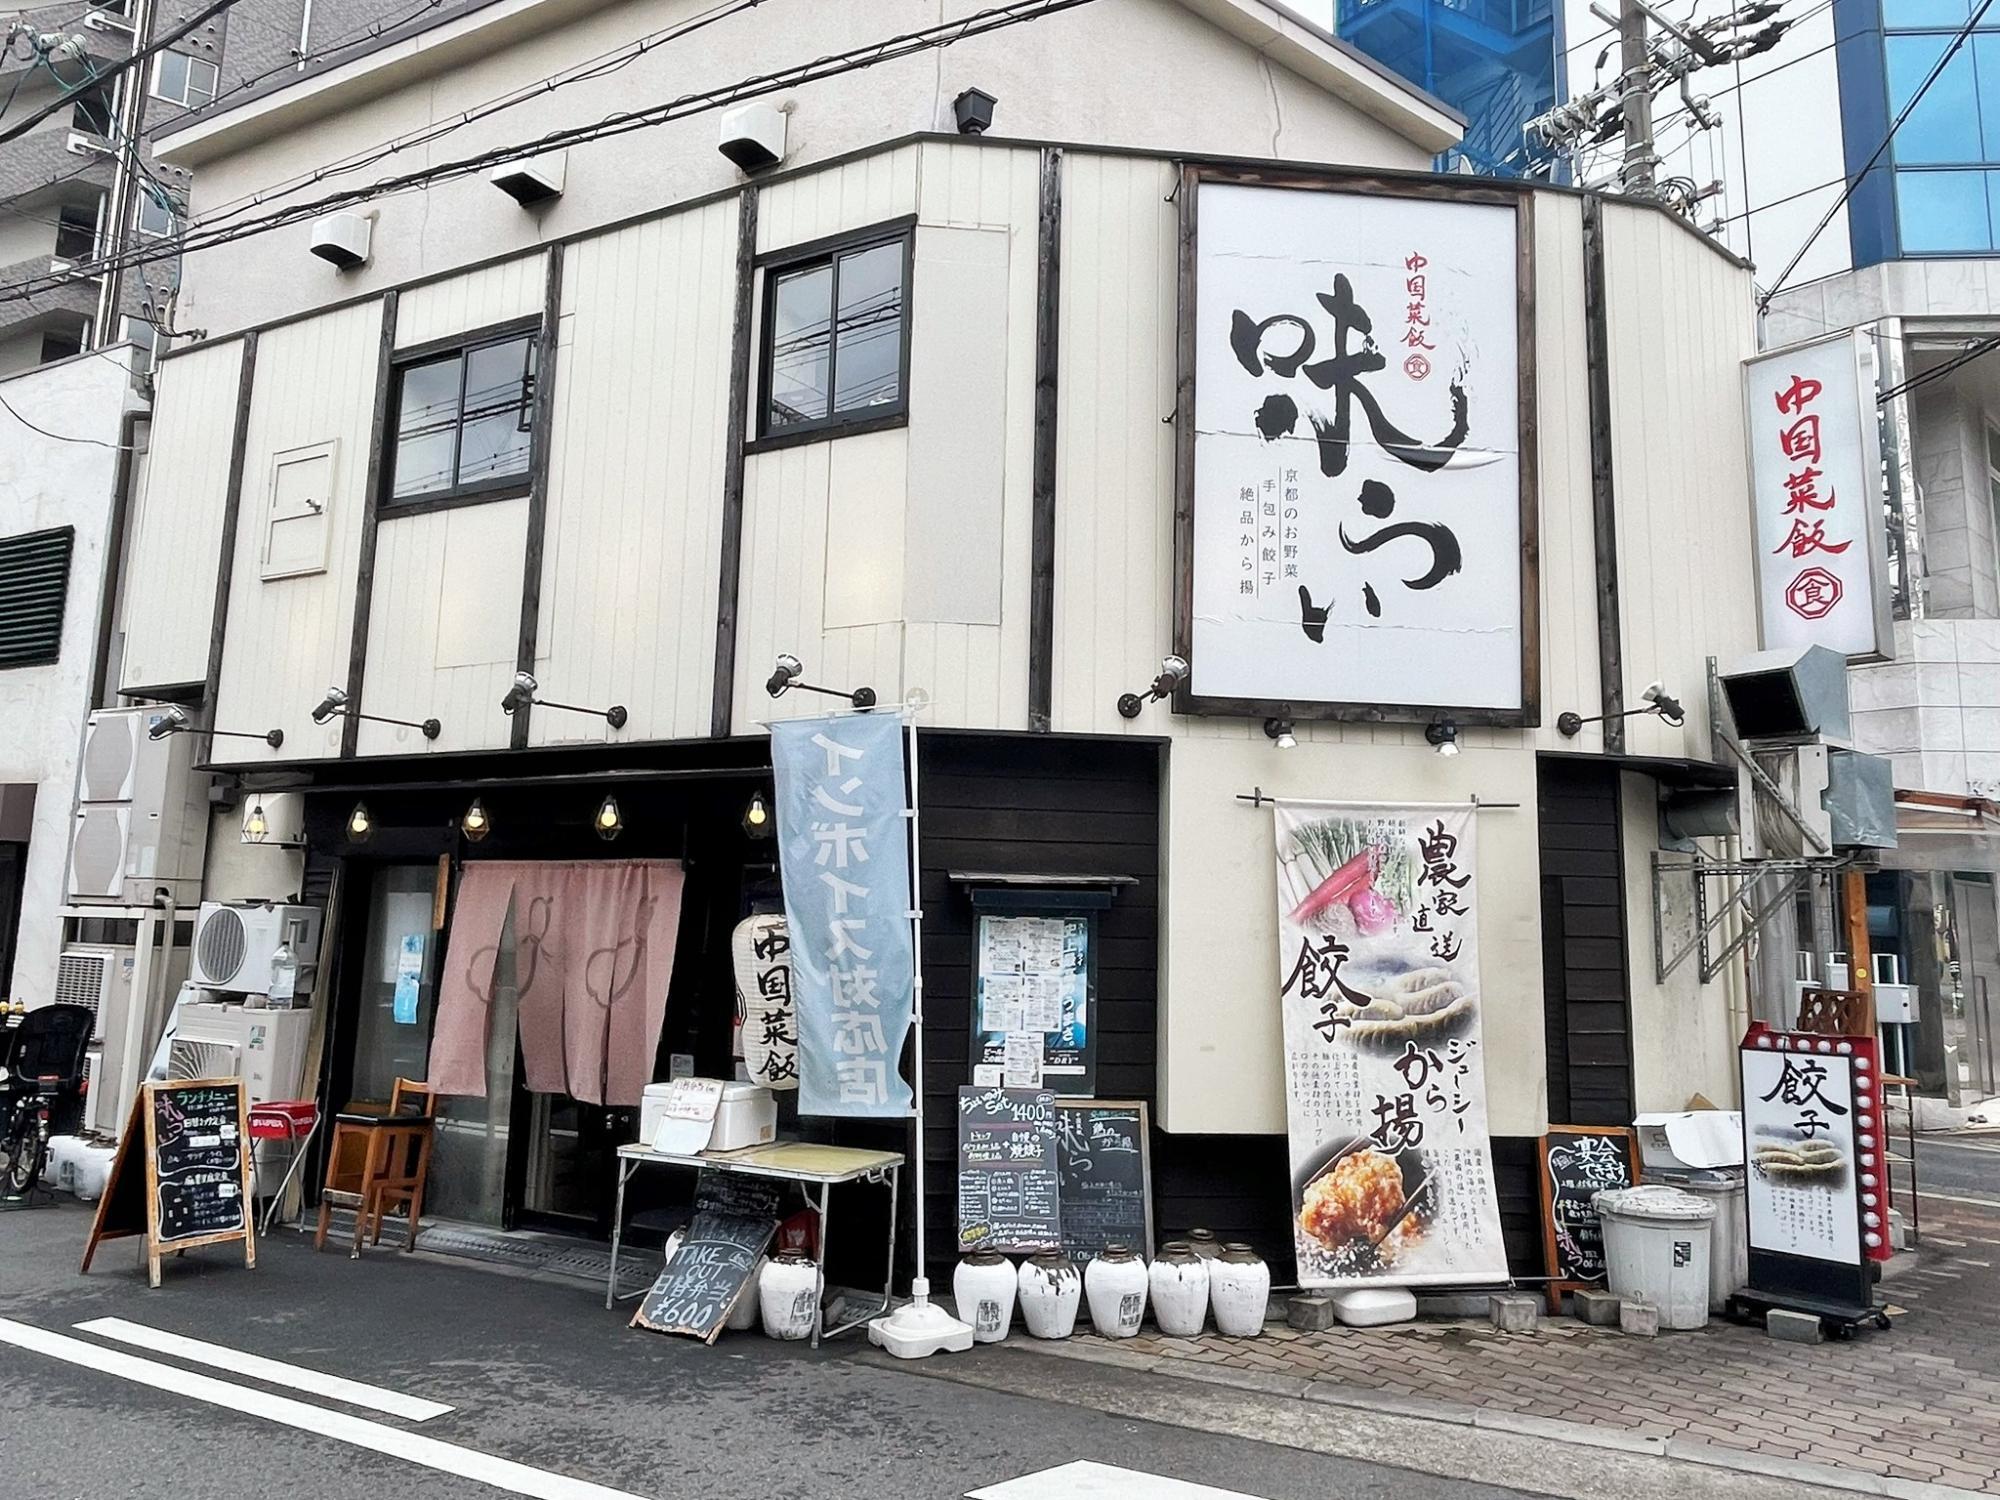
(522, 694)
(1173, 672)
(1657, 701)
(785, 676)
(972, 111)
(335, 706)
(1441, 734)
(360, 826)
(609, 822)
(757, 817)
(176, 721)
(256, 827)
(475, 825)
(1280, 733)
(273, 820)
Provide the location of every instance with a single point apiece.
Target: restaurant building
(919, 406)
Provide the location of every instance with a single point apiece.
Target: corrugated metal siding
(496, 294)
(852, 196)
(170, 574)
(632, 549)
(443, 625)
(288, 639)
(1680, 327)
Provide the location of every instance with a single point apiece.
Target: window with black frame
(462, 421)
(836, 345)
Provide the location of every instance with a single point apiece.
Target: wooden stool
(379, 1162)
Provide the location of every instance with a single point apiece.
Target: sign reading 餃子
(844, 857)
(1385, 1090)
(1357, 512)
(1816, 490)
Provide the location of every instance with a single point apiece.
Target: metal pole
(1635, 101)
(131, 119)
(920, 1284)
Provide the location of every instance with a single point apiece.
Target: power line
(942, 34)
(58, 437)
(124, 64)
(1938, 372)
(1855, 181)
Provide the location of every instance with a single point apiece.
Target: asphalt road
(1962, 1166)
(538, 1374)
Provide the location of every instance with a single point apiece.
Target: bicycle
(24, 1144)
(42, 1079)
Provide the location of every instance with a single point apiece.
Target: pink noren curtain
(594, 950)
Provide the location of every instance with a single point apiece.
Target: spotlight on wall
(1280, 733)
(1657, 700)
(522, 694)
(1173, 672)
(175, 721)
(1442, 736)
(360, 826)
(973, 111)
(335, 706)
(785, 676)
(475, 825)
(609, 822)
(757, 817)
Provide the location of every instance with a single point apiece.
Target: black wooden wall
(1587, 1003)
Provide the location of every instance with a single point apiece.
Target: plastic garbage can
(1656, 1248)
(1729, 1240)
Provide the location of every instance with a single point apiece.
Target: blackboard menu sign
(183, 1173)
(1009, 1186)
(734, 1219)
(1106, 1170)
(1577, 1163)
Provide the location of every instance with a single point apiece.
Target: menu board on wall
(1009, 1180)
(1034, 1025)
(1106, 1167)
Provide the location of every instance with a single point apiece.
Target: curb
(1576, 1434)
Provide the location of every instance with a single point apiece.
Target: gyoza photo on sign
(1357, 532)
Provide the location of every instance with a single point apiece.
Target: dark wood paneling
(1586, 987)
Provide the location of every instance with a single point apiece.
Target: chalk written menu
(1009, 1186)
(198, 1161)
(1106, 1176)
(734, 1220)
(1578, 1163)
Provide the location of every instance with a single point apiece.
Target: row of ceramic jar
(1183, 1286)
(781, 1293)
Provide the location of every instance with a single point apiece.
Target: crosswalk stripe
(1088, 1480)
(270, 1371)
(377, 1437)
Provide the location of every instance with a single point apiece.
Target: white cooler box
(747, 1116)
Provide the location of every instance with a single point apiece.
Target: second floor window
(187, 81)
(96, 109)
(76, 231)
(464, 421)
(835, 345)
(152, 214)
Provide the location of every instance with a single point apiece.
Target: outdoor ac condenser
(234, 944)
(141, 819)
(97, 976)
(265, 1048)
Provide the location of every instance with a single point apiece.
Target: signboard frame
(1526, 712)
(1551, 1255)
(1145, 1117)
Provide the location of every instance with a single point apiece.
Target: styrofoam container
(1656, 1249)
(747, 1116)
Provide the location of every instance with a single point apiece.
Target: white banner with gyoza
(1385, 1084)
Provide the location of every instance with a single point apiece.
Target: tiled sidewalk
(1920, 1402)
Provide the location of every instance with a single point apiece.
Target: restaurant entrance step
(531, 1252)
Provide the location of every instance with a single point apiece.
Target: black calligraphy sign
(198, 1161)
(1577, 1163)
(1009, 1180)
(1105, 1164)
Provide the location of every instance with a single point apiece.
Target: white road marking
(412, 1447)
(270, 1371)
(1084, 1480)
(1959, 1198)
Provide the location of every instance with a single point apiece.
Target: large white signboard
(1812, 1130)
(1816, 491)
(1357, 477)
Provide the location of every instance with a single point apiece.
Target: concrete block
(1899, 1230)
(1792, 1327)
(1638, 1317)
(1451, 1304)
(1596, 1306)
(1514, 1312)
(1311, 1312)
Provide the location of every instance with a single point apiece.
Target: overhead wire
(123, 65)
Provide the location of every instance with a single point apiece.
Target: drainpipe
(114, 549)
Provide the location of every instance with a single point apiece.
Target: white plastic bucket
(1656, 1248)
(1728, 1241)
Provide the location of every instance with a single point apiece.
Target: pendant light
(757, 817)
(360, 826)
(475, 825)
(609, 822)
(256, 827)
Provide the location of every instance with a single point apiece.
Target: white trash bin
(1729, 1240)
(1656, 1248)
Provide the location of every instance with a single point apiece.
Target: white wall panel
(632, 548)
(176, 552)
(852, 196)
(288, 639)
(443, 626)
(495, 294)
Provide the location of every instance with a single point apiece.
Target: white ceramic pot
(1204, 1243)
(1050, 1290)
(1115, 1286)
(983, 1287)
(1239, 1291)
(744, 1315)
(788, 1295)
(1180, 1290)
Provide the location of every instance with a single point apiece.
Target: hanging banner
(844, 856)
(1378, 963)
(1817, 492)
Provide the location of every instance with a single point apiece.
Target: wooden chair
(379, 1162)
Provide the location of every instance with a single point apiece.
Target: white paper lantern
(761, 955)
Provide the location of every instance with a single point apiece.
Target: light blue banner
(844, 854)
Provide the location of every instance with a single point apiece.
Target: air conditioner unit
(99, 977)
(190, 1057)
(141, 819)
(342, 239)
(235, 943)
(265, 1048)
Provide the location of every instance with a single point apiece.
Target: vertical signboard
(1816, 490)
(1385, 1087)
(844, 855)
(1358, 500)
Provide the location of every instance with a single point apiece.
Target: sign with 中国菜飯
(1358, 508)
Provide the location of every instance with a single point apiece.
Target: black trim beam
(538, 488)
(371, 519)
(729, 588)
(1604, 512)
(1042, 543)
(232, 503)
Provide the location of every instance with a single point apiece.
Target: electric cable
(123, 65)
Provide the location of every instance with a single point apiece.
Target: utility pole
(118, 216)
(1635, 101)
